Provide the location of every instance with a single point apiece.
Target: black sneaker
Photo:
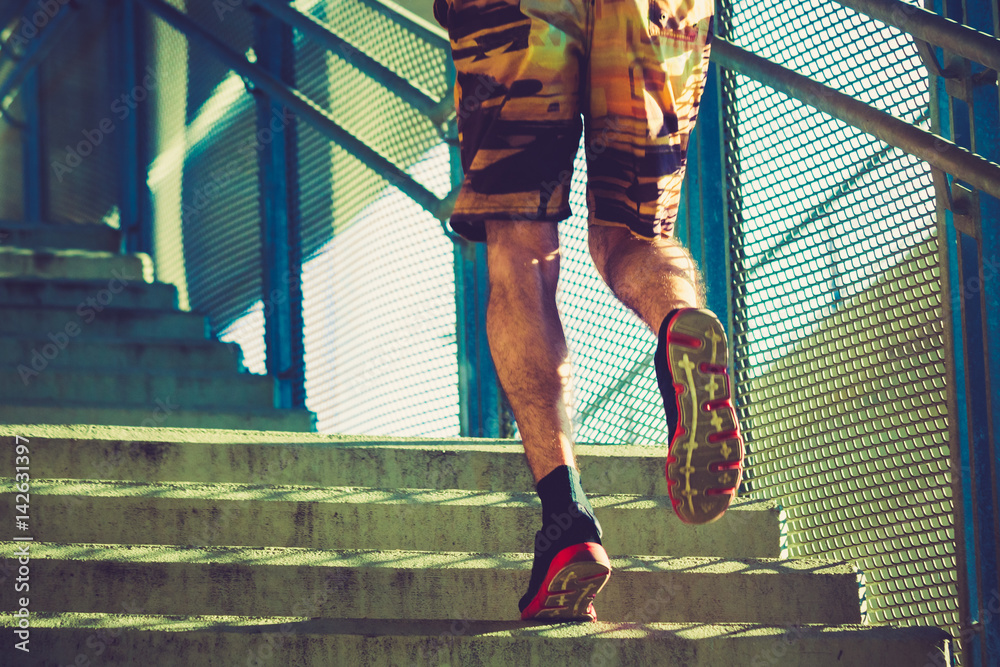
(564, 589)
(705, 456)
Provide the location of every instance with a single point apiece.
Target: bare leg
(651, 277)
(526, 338)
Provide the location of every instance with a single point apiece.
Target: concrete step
(182, 417)
(144, 639)
(364, 518)
(271, 581)
(132, 387)
(317, 459)
(111, 267)
(70, 324)
(97, 237)
(84, 293)
(117, 353)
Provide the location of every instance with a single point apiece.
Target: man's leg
(652, 277)
(529, 352)
(526, 338)
(660, 282)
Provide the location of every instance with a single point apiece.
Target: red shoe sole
(705, 457)
(575, 577)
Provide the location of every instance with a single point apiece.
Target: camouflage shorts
(528, 69)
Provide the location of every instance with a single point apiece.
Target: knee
(607, 246)
(516, 249)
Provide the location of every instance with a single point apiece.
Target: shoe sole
(705, 457)
(575, 577)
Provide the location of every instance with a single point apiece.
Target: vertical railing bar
(35, 174)
(135, 220)
(280, 233)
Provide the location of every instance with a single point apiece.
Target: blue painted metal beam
(707, 200)
(966, 109)
(984, 16)
(35, 173)
(280, 222)
(134, 201)
(479, 390)
(480, 400)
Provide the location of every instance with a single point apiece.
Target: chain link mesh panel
(838, 344)
(12, 165)
(838, 340)
(80, 100)
(378, 277)
(615, 396)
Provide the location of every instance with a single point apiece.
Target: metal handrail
(418, 26)
(12, 11)
(30, 59)
(303, 107)
(932, 28)
(936, 150)
(437, 110)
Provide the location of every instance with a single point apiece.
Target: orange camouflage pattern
(528, 69)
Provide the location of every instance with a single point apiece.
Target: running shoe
(705, 456)
(571, 582)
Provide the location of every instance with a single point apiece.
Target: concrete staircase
(210, 547)
(86, 338)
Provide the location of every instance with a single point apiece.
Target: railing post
(479, 396)
(134, 205)
(718, 160)
(33, 143)
(280, 225)
(707, 198)
(966, 109)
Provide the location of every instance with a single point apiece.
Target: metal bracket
(965, 210)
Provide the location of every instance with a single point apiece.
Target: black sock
(565, 505)
(664, 379)
(567, 519)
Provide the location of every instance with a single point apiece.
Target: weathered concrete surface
(73, 264)
(270, 581)
(363, 518)
(74, 236)
(180, 416)
(117, 353)
(308, 596)
(33, 321)
(225, 641)
(315, 459)
(29, 291)
(129, 386)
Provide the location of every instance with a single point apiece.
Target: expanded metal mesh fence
(839, 357)
(77, 110)
(836, 293)
(378, 276)
(615, 395)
